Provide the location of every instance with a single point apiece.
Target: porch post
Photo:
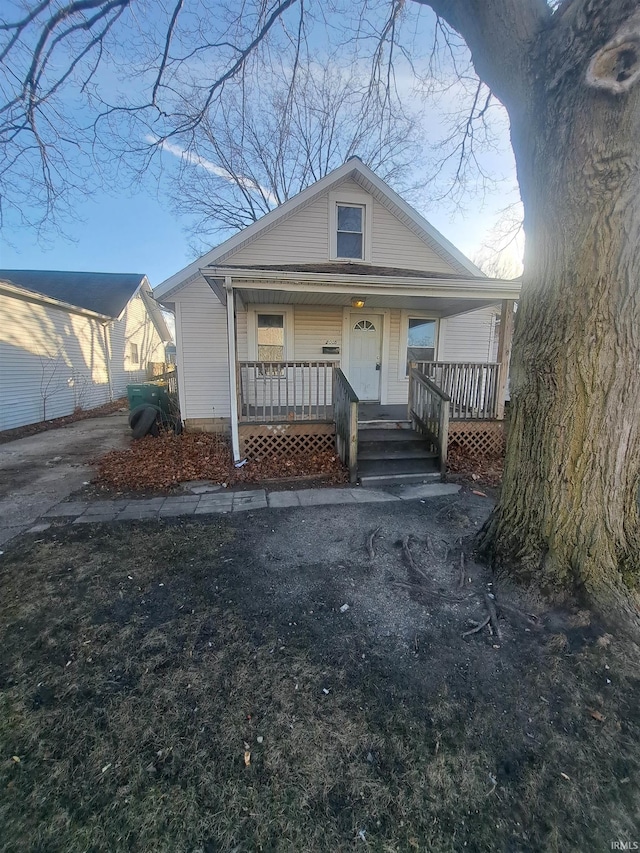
(505, 338)
(233, 372)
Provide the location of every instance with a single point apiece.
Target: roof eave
(342, 282)
(31, 295)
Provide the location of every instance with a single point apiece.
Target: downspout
(233, 373)
(107, 352)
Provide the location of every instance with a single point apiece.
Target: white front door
(365, 355)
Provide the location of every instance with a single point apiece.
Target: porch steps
(394, 453)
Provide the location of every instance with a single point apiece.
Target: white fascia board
(31, 296)
(488, 288)
(423, 224)
(144, 280)
(191, 272)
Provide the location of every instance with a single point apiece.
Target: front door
(365, 352)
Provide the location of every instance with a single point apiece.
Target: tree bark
(567, 519)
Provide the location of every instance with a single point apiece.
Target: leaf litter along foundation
(166, 461)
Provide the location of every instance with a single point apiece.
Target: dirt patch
(162, 463)
(201, 686)
(55, 423)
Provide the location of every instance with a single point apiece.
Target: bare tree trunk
(568, 514)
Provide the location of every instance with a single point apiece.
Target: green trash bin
(149, 393)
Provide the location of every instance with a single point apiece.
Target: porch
(284, 407)
(311, 364)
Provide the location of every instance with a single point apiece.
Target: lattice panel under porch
(262, 442)
(478, 438)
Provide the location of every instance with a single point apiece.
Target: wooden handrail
(428, 383)
(345, 415)
(429, 412)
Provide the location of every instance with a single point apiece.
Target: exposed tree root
(478, 627)
(493, 616)
(370, 549)
(462, 578)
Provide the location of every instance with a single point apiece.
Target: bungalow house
(343, 317)
(72, 340)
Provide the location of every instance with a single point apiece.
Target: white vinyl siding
(134, 328)
(54, 361)
(202, 353)
(396, 245)
(468, 337)
(314, 328)
(397, 389)
(304, 238)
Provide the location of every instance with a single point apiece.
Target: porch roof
(381, 287)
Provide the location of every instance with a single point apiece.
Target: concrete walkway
(39, 471)
(85, 512)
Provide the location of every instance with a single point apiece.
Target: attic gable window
(350, 231)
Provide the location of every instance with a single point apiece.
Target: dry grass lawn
(195, 687)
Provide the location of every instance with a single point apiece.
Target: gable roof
(355, 169)
(103, 293)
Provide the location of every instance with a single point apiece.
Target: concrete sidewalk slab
(249, 500)
(65, 510)
(283, 499)
(427, 490)
(370, 496)
(320, 497)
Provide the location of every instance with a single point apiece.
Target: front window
(270, 337)
(421, 340)
(350, 231)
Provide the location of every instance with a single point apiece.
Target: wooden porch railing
(345, 412)
(473, 388)
(429, 412)
(275, 391)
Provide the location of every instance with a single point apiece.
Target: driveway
(40, 471)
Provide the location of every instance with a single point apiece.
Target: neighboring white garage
(73, 340)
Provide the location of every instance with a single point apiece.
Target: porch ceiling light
(357, 302)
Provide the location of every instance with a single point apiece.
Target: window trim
(351, 198)
(405, 316)
(133, 360)
(287, 312)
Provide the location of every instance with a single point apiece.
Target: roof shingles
(104, 293)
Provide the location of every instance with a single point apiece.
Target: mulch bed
(79, 415)
(166, 461)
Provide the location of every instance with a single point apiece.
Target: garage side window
(421, 340)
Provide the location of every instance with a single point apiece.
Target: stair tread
(396, 466)
(388, 435)
(396, 453)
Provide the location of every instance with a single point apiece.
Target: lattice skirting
(478, 438)
(260, 440)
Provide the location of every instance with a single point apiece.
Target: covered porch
(318, 352)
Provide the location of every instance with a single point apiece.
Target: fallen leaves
(480, 469)
(163, 462)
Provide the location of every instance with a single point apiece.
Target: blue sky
(140, 234)
(123, 231)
